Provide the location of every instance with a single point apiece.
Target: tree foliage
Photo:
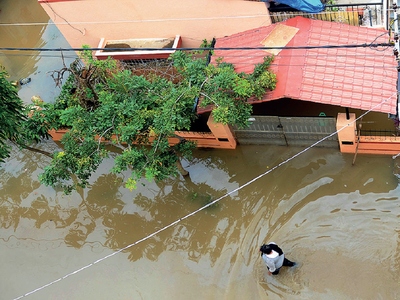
(102, 105)
(11, 114)
(16, 125)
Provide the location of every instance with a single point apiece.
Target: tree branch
(116, 145)
(36, 150)
(205, 95)
(159, 137)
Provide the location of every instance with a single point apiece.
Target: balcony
(120, 48)
(360, 14)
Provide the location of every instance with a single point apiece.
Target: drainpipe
(347, 114)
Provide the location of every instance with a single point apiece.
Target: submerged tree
(16, 125)
(103, 105)
(11, 114)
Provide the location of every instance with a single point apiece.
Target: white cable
(203, 207)
(159, 20)
(135, 21)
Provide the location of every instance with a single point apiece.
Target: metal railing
(360, 14)
(380, 135)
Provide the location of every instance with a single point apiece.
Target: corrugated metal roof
(351, 77)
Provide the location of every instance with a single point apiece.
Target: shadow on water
(103, 204)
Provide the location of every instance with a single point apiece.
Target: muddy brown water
(339, 222)
(31, 64)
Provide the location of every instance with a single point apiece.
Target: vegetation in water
(102, 104)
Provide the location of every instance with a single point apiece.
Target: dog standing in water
(274, 258)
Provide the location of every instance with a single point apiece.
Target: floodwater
(31, 64)
(339, 222)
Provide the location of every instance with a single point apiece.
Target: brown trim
(221, 136)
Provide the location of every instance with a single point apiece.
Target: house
(188, 23)
(320, 84)
(316, 87)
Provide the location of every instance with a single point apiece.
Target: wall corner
(346, 132)
(223, 133)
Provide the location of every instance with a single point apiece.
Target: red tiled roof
(351, 77)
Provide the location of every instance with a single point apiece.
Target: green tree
(11, 114)
(103, 105)
(17, 124)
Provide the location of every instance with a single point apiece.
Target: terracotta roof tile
(356, 103)
(308, 88)
(345, 101)
(366, 98)
(350, 77)
(357, 81)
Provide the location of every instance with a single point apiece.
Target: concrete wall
(221, 136)
(194, 20)
(350, 142)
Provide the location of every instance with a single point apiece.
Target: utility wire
(238, 55)
(139, 21)
(135, 21)
(318, 55)
(178, 19)
(384, 66)
(203, 49)
(205, 206)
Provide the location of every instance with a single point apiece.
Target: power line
(204, 49)
(325, 66)
(147, 21)
(346, 66)
(178, 19)
(323, 56)
(319, 55)
(384, 65)
(136, 21)
(203, 207)
(37, 55)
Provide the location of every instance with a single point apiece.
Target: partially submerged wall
(350, 142)
(221, 136)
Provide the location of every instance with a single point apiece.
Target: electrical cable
(239, 56)
(205, 206)
(202, 49)
(359, 55)
(135, 21)
(168, 20)
(37, 55)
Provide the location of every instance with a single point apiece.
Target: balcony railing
(360, 14)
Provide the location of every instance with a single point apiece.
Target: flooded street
(31, 64)
(339, 222)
